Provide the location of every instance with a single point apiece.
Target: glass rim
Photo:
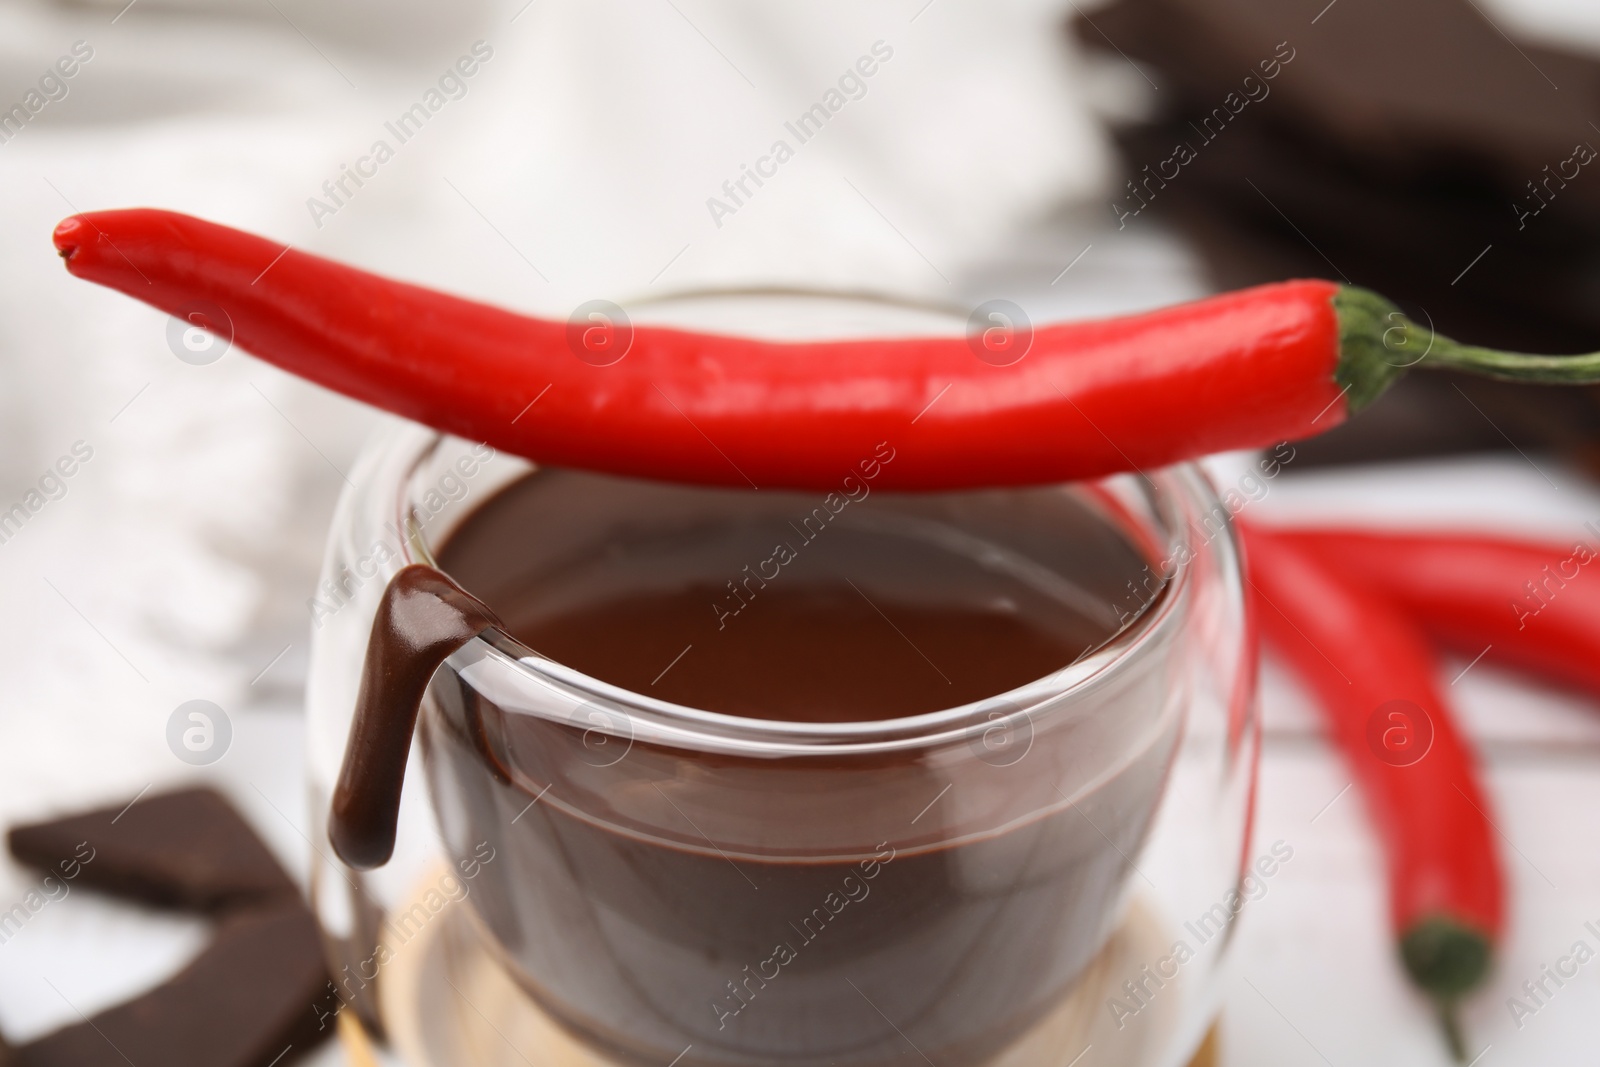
(696, 728)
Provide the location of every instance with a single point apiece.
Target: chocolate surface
(823, 653)
(882, 614)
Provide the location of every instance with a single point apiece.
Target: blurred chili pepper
(1374, 677)
(1073, 400)
(1528, 604)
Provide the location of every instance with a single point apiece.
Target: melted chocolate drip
(422, 619)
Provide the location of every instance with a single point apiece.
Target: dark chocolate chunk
(1394, 150)
(188, 849)
(1406, 83)
(1538, 289)
(249, 1000)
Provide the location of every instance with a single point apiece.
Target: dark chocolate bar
(1406, 83)
(188, 849)
(249, 1000)
(1407, 147)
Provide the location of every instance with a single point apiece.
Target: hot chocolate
(861, 906)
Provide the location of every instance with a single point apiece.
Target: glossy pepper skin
(1089, 398)
(1533, 605)
(1356, 651)
(1240, 370)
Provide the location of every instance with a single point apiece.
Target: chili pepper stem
(1450, 1022)
(1378, 343)
(1446, 959)
(1512, 366)
(1375, 347)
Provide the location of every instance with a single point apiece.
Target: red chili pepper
(1240, 370)
(1360, 654)
(1527, 604)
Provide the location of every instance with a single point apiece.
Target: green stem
(1378, 343)
(1451, 1024)
(1447, 959)
(1509, 366)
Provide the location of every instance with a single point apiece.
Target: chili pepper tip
(67, 236)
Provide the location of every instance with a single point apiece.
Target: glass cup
(589, 874)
